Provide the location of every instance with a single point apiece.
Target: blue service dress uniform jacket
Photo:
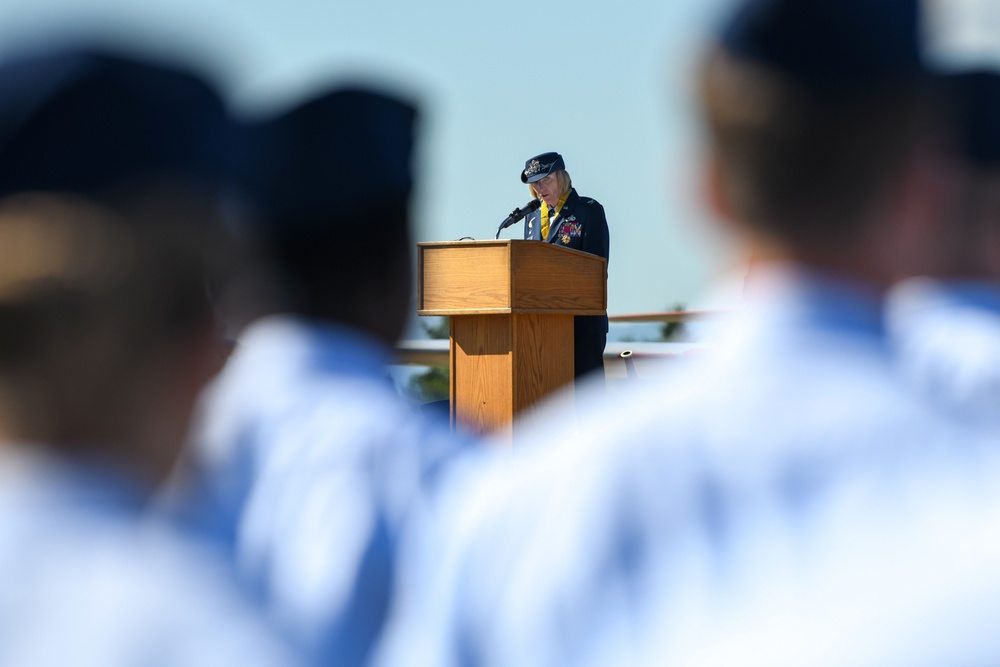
(580, 225)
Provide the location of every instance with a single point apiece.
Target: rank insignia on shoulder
(590, 201)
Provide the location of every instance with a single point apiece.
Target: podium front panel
(502, 365)
(482, 371)
(552, 279)
(463, 278)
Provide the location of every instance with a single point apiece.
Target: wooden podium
(511, 304)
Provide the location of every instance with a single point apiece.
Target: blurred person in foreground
(569, 220)
(303, 441)
(679, 504)
(945, 324)
(107, 178)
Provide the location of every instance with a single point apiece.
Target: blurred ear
(713, 189)
(929, 195)
(922, 213)
(992, 231)
(162, 400)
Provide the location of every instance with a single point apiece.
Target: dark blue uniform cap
(540, 166)
(835, 45)
(329, 160)
(97, 123)
(974, 98)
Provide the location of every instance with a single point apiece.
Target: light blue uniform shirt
(317, 462)
(594, 544)
(894, 566)
(86, 581)
(946, 339)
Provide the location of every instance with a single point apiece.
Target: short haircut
(325, 266)
(802, 165)
(73, 271)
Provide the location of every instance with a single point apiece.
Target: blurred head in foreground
(821, 122)
(328, 184)
(108, 179)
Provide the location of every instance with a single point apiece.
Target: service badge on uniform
(564, 239)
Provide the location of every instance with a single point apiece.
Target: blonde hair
(562, 177)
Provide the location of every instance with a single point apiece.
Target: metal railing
(435, 352)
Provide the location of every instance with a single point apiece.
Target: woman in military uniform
(567, 219)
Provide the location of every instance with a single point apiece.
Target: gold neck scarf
(545, 214)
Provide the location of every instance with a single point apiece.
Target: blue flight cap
(831, 45)
(329, 160)
(541, 166)
(974, 98)
(97, 123)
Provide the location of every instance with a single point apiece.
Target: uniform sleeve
(532, 225)
(596, 239)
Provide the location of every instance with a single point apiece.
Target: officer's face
(548, 189)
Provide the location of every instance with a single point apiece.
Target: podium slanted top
(509, 276)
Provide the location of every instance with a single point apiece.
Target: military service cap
(330, 159)
(829, 44)
(91, 121)
(541, 166)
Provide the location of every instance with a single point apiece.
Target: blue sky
(607, 84)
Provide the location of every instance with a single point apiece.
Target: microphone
(519, 213)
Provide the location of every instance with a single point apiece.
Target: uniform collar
(571, 201)
(917, 295)
(31, 477)
(802, 297)
(295, 343)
